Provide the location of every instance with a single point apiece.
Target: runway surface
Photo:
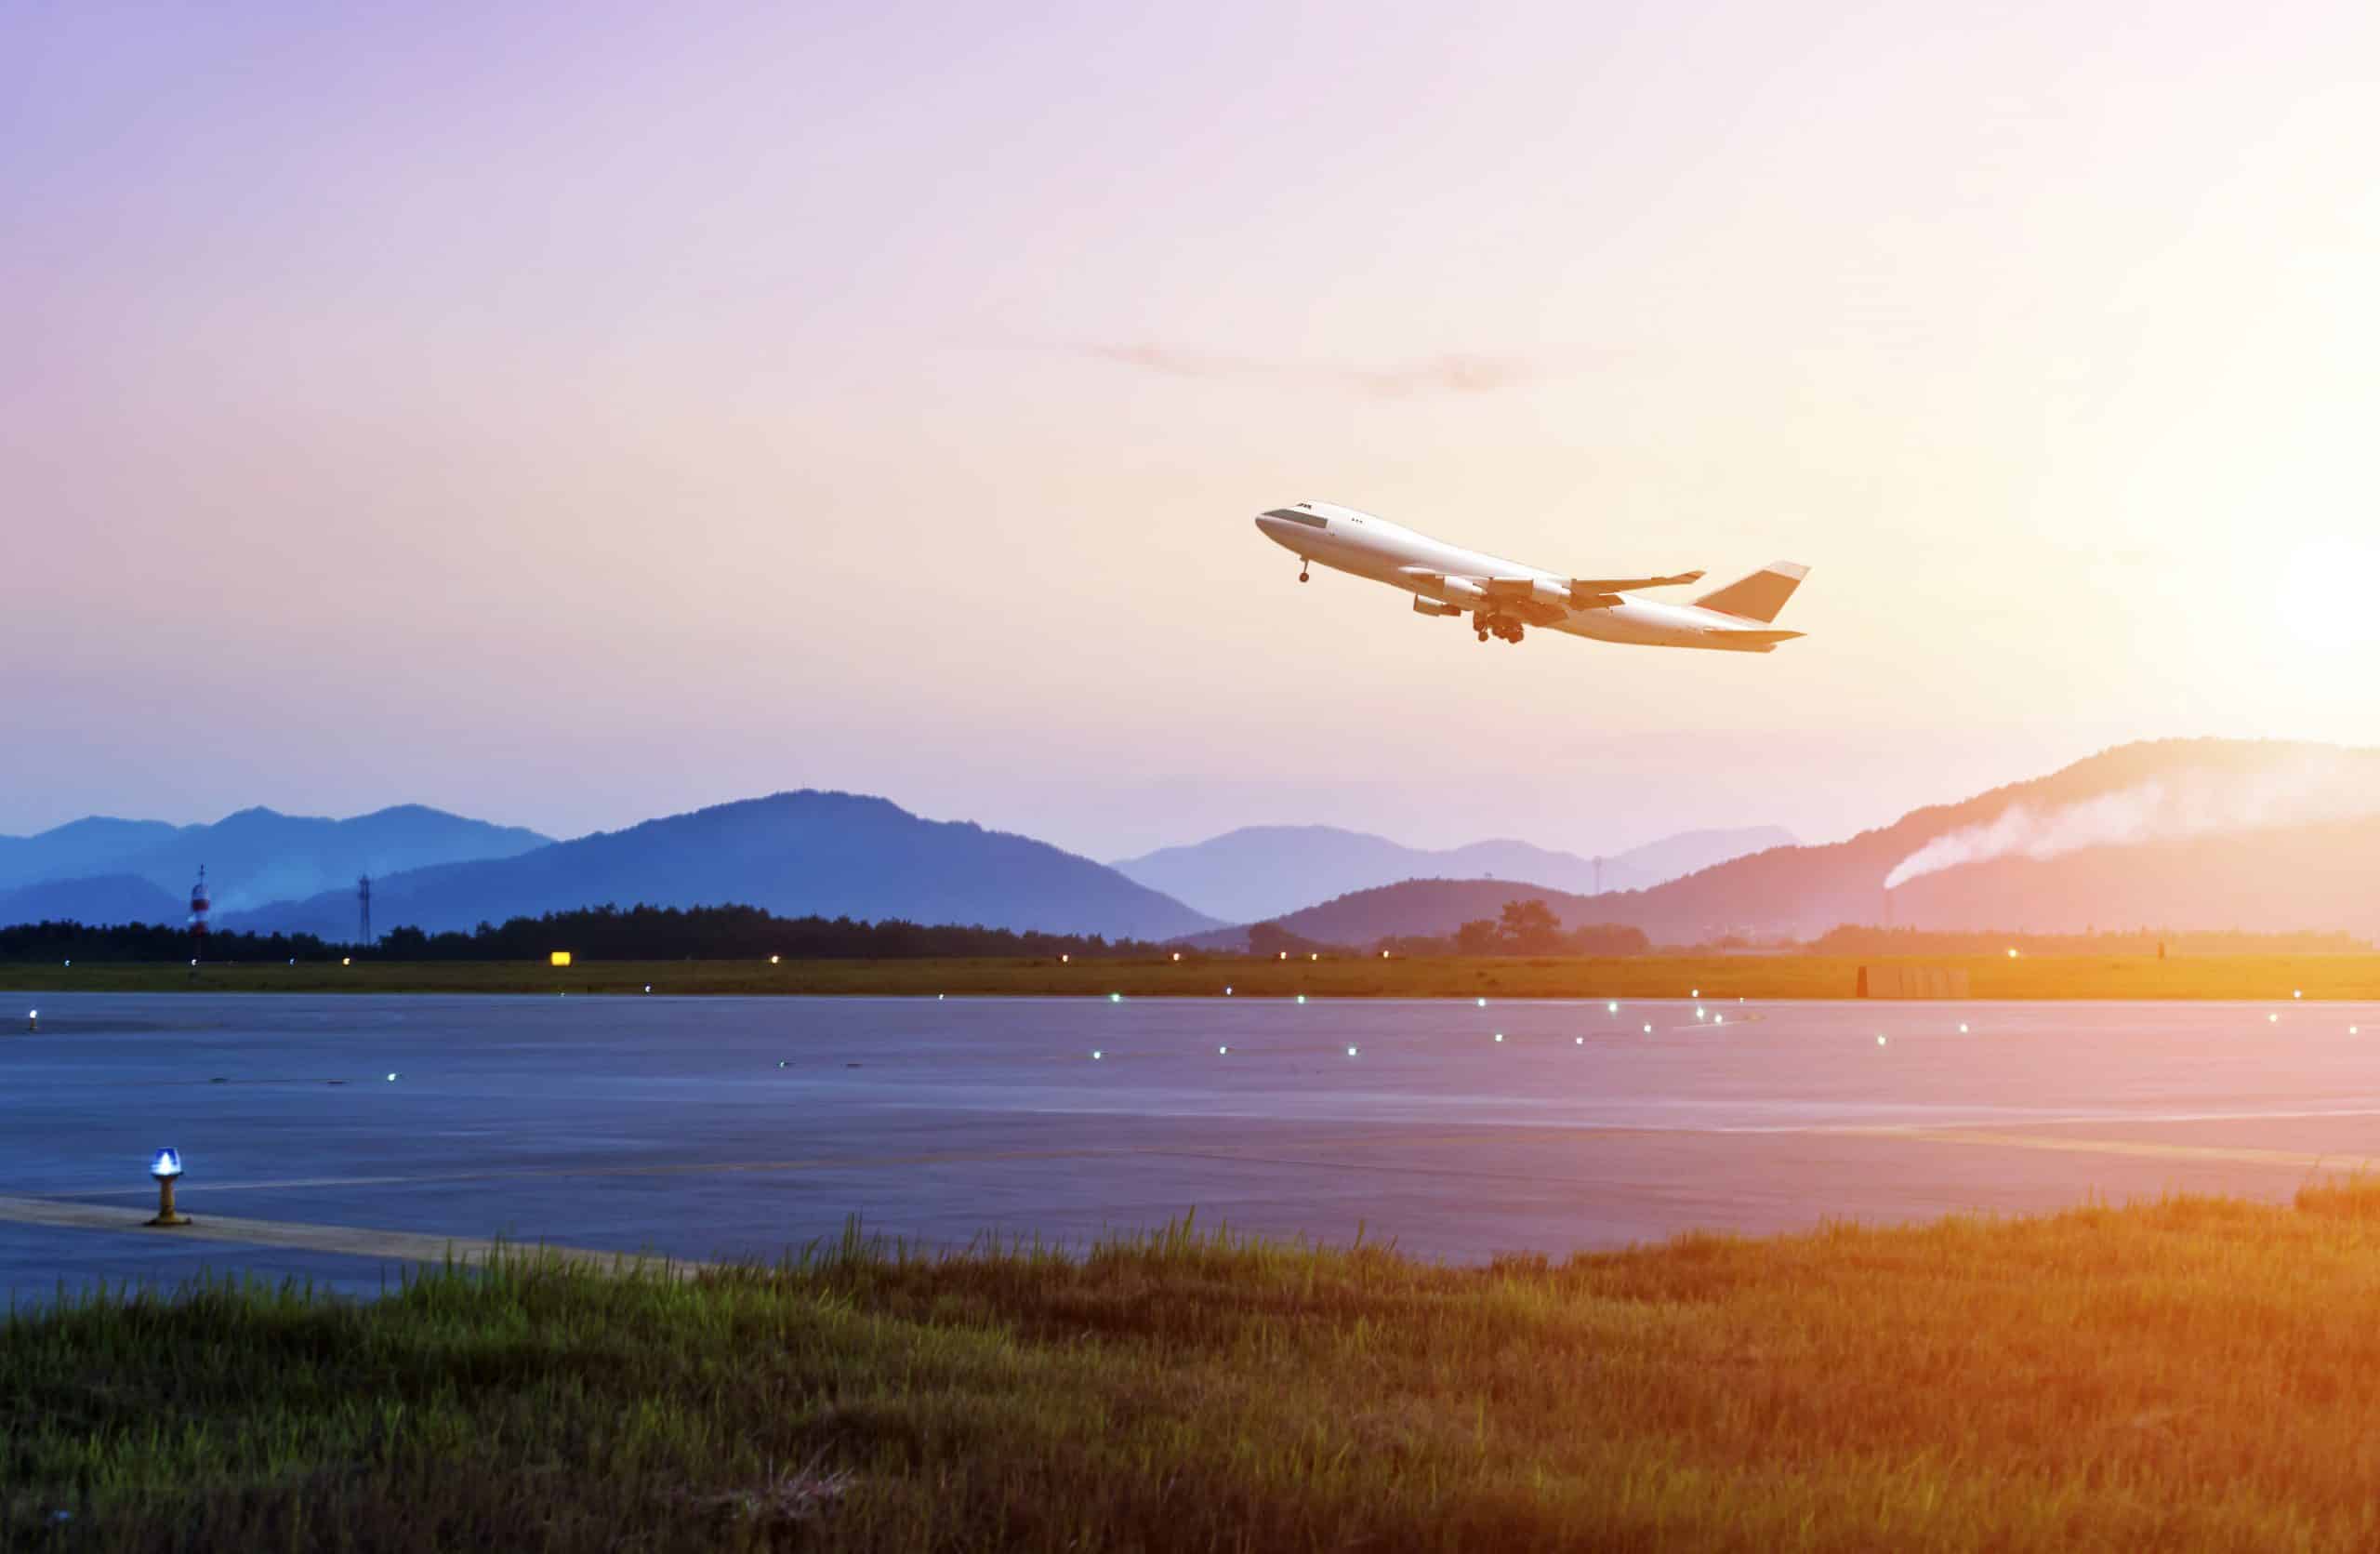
(734, 1128)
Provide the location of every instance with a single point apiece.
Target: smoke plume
(2304, 792)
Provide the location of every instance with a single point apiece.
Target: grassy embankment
(1769, 976)
(2195, 1374)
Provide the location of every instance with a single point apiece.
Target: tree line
(608, 932)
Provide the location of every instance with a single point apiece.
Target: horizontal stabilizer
(1748, 641)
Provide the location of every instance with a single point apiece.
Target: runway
(707, 1129)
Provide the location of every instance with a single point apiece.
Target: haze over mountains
(793, 854)
(105, 870)
(1262, 871)
(2194, 834)
(2190, 833)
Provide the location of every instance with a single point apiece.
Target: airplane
(1504, 598)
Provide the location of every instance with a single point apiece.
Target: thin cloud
(1455, 373)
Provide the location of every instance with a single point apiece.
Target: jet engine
(1430, 606)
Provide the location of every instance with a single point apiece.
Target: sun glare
(2325, 603)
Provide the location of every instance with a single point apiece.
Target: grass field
(1771, 977)
(2194, 1374)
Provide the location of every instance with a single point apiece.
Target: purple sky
(566, 417)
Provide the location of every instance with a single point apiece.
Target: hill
(81, 849)
(1262, 871)
(101, 899)
(256, 855)
(795, 855)
(2200, 833)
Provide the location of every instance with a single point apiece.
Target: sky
(566, 416)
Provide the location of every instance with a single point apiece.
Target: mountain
(832, 854)
(1263, 871)
(256, 855)
(104, 898)
(2195, 833)
(80, 849)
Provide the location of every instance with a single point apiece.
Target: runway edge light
(166, 1168)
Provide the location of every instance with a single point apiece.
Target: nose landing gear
(1302, 567)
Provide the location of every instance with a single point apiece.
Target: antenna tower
(200, 904)
(363, 910)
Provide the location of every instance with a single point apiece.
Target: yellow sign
(562, 956)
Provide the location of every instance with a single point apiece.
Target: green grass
(1722, 976)
(2193, 1373)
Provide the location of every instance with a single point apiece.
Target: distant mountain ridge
(793, 854)
(1262, 871)
(252, 857)
(101, 899)
(2186, 833)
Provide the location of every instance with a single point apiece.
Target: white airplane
(1503, 597)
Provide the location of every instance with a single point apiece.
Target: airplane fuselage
(1365, 546)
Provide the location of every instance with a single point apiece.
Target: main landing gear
(1510, 631)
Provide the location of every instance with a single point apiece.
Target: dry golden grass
(2186, 1374)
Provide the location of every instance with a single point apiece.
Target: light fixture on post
(167, 1169)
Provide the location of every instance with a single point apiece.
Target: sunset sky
(570, 416)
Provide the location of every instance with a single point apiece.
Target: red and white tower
(199, 906)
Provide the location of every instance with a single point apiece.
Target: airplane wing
(1622, 585)
(1582, 593)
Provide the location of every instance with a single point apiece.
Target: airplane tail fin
(1760, 596)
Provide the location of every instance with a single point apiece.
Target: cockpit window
(1294, 516)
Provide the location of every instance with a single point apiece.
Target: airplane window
(1308, 519)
